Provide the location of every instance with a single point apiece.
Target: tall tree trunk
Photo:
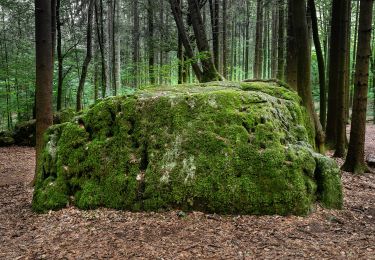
(177, 14)
(281, 41)
(224, 40)
(214, 13)
(337, 57)
(304, 67)
(258, 57)
(88, 56)
(59, 56)
(291, 61)
(321, 65)
(209, 70)
(44, 72)
(116, 47)
(341, 141)
(151, 53)
(53, 27)
(351, 94)
(247, 40)
(274, 42)
(355, 161)
(135, 35)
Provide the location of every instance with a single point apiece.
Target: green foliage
(217, 147)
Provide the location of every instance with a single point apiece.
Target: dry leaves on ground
(103, 233)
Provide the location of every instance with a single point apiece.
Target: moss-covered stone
(6, 139)
(217, 147)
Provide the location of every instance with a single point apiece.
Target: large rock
(6, 139)
(24, 133)
(217, 147)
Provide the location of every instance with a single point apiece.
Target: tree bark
(59, 56)
(87, 58)
(281, 41)
(258, 57)
(321, 65)
(209, 70)
(355, 161)
(274, 42)
(135, 35)
(291, 60)
(298, 8)
(151, 53)
(336, 95)
(44, 72)
(224, 40)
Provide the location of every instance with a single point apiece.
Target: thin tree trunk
(247, 40)
(151, 53)
(177, 14)
(60, 58)
(274, 42)
(88, 56)
(224, 40)
(281, 41)
(209, 70)
(304, 67)
(321, 65)
(355, 161)
(291, 61)
(135, 35)
(258, 57)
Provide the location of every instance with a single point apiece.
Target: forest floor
(74, 234)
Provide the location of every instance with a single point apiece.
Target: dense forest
(136, 43)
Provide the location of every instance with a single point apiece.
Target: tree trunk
(321, 65)
(304, 67)
(274, 42)
(224, 40)
(291, 60)
(336, 97)
(116, 47)
(177, 14)
(258, 57)
(355, 161)
(247, 40)
(44, 72)
(214, 10)
(341, 141)
(209, 70)
(135, 35)
(151, 53)
(281, 41)
(59, 56)
(88, 56)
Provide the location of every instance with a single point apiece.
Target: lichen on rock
(218, 147)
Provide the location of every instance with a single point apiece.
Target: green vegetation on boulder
(217, 147)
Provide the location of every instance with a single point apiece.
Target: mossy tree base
(217, 147)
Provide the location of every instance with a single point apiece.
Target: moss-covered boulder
(6, 139)
(216, 147)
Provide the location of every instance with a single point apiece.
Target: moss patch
(217, 147)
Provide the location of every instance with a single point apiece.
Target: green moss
(216, 147)
(328, 177)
